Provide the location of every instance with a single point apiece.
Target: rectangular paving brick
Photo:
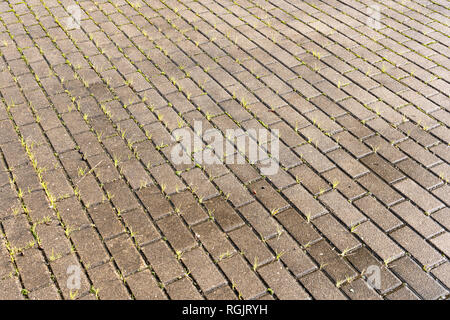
(423, 224)
(231, 187)
(336, 233)
(354, 146)
(167, 179)
(177, 233)
(298, 227)
(106, 280)
(349, 188)
(348, 163)
(145, 287)
(304, 202)
(292, 255)
(242, 277)
(378, 241)
(342, 208)
(203, 270)
(417, 247)
(269, 197)
(418, 153)
(321, 287)
(225, 215)
(442, 243)
(282, 283)
(362, 259)
(331, 262)
(381, 167)
(215, 241)
(183, 289)
(163, 261)
(155, 202)
(420, 196)
(313, 157)
(309, 179)
(260, 219)
(421, 282)
(250, 246)
(385, 219)
(419, 174)
(200, 184)
(380, 189)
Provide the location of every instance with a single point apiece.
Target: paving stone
(417, 247)
(421, 282)
(348, 163)
(177, 233)
(121, 196)
(331, 262)
(163, 261)
(344, 184)
(238, 194)
(443, 217)
(269, 197)
(34, 272)
(423, 224)
(292, 255)
(314, 158)
(106, 280)
(299, 228)
(260, 219)
(167, 179)
(48, 293)
(404, 293)
(309, 179)
(215, 241)
(135, 174)
(385, 149)
(242, 277)
(222, 293)
(362, 259)
(141, 226)
(385, 219)
(282, 283)
(321, 287)
(442, 193)
(89, 246)
(251, 247)
(419, 174)
(418, 153)
(183, 289)
(420, 196)
(381, 190)
(201, 186)
(11, 289)
(442, 273)
(225, 215)
(382, 168)
(442, 243)
(203, 270)
(155, 202)
(378, 241)
(336, 233)
(144, 286)
(63, 268)
(354, 146)
(360, 290)
(342, 208)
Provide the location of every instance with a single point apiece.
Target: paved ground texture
(92, 205)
